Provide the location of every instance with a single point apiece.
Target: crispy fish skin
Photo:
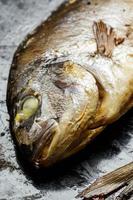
(71, 77)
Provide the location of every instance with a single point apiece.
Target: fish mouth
(47, 133)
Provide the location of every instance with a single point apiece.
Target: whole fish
(70, 78)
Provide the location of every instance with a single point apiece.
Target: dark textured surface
(110, 150)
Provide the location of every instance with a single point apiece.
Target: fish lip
(45, 136)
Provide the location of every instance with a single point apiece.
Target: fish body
(71, 77)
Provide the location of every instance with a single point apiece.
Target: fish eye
(29, 108)
(30, 105)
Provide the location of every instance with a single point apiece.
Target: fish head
(54, 110)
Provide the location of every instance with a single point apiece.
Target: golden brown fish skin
(71, 77)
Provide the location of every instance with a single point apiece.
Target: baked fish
(70, 78)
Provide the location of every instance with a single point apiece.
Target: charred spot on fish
(106, 38)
